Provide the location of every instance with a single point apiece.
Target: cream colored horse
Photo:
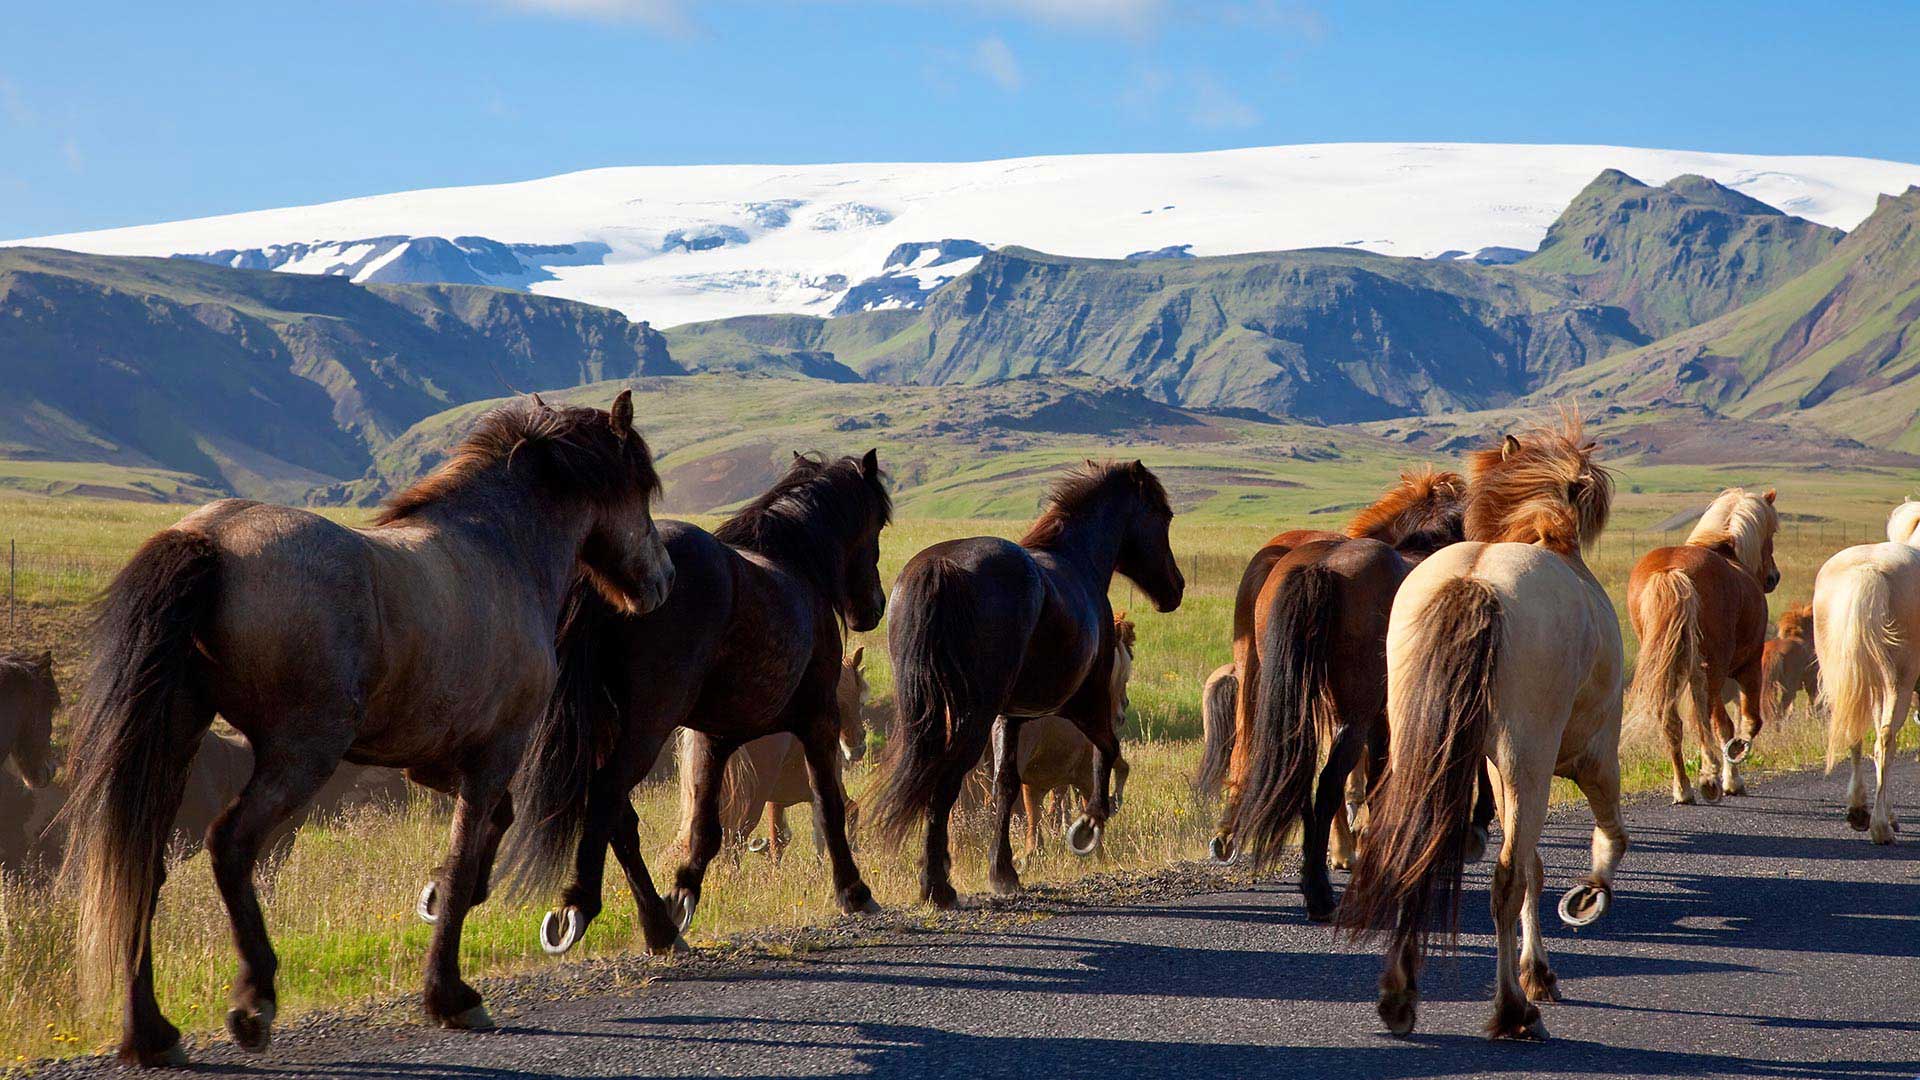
(1866, 618)
(1505, 649)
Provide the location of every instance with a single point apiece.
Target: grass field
(341, 905)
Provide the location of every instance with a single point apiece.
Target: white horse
(1502, 649)
(1866, 619)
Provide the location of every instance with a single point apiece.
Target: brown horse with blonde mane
(424, 641)
(1308, 598)
(1502, 649)
(1700, 611)
(29, 697)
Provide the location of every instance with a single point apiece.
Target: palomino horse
(769, 774)
(1219, 698)
(424, 641)
(1055, 759)
(1311, 649)
(748, 644)
(29, 697)
(1503, 648)
(984, 628)
(1700, 611)
(1866, 617)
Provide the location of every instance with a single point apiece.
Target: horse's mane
(573, 450)
(1739, 521)
(1904, 520)
(1124, 631)
(1543, 488)
(1426, 503)
(804, 521)
(1086, 486)
(1797, 621)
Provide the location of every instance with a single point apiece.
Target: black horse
(984, 628)
(747, 644)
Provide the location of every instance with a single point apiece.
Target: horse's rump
(1668, 675)
(1864, 649)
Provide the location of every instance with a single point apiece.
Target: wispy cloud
(70, 153)
(1218, 108)
(993, 58)
(664, 14)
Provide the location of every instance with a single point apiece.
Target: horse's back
(1733, 607)
(1889, 569)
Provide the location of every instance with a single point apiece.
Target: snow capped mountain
(674, 244)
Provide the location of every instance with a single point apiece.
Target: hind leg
(285, 776)
(1032, 803)
(1536, 975)
(657, 928)
(706, 762)
(1006, 786)
(1329, 796)
(609, 808)
(1599, 781)
(1525, 812)
(1857, 815)
(1670, 727)
(822, 747)
(1485, 806)
(1883, 823)
(449, 1000)
(1731, 783)
(936, 881)
(1704, 727)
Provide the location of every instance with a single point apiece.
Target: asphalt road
(1760, 937)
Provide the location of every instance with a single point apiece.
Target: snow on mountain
(673, 244)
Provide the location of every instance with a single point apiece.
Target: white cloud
(70, 152)
(994, 59)
(1217, 108)
(665, 14)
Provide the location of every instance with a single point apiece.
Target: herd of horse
(517, 631)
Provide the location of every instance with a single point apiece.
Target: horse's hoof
(473, 1019)
(757, 845)
(1881, 834)
(1083, 837)
(1399, 1010)
(173, 1057)
(1007, 886)
(1523, 1027)
(1737, 750)
(942, 897)
(1541, 984)
(673, 948)
(252, 1029)
(1710, 790)
(561, 930)
(1221, 849)
(428, 907)
(1476, 845)
(1584, 904)
(1859, 818)
(680, 908)
(1684, 798)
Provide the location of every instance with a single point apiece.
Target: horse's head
(1146, 549)
(1421, 514)
(852, 697)
(624, 555)
(37, 699)
(822, 520)
(1542, 487)
(1741, 524)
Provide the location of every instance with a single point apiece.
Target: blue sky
(116, 112)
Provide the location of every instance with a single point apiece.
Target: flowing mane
(1903, 522)
(1543, 488)
(1089, 485)
(1425, 506)
(807, 519)
(1738, 522)
(572, 450)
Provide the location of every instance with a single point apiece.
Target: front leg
(822, 746)
(1006, 787)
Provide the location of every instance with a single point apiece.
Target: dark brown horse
(424, 641)
(749, 643)
(1313, 668)
(29, 697)
(984, 627)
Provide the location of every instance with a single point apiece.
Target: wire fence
(42, 578)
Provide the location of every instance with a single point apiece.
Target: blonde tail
(1858, 642)
(1666, 676)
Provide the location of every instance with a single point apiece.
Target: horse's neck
(1090, 544)
(521, 536)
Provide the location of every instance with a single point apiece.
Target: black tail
(1292, 701)
(930, 639)
(140, 719)
(580, 723)
(1217, 701)
(1422, 812)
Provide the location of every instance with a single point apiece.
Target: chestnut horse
(1503, 648)
(1700, 611)
(1311, 648)
(748, 644)
(1866, 617)
(29, 697)
(1790, 666)
(984, 628)
(424, 641)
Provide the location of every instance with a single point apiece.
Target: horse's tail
(1667, 677)
(1292, 701)
(1217, 702)
(140, 720)
(940, 727)
(1858, 666)
(1422, 812)
(579, 723)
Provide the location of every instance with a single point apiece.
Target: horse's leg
(936, 866)
(1484, 808)
(151, 1039)
(1677, 753)
(1884, 824)
(497, 827)
(1093, 715)
(1006, 787)
(707, 762)
(449, 1000)
(1706, 727)
(608, 805)
(779, 833)
(656, 926)
(822, 746)
(1599, 780)
(1524, 813)
(1536, 975)
(1031, 800)
(1329, 798)
(285, 776)
(1740, 743)
(1857, 815)
(1724, 745)
(1342, 849)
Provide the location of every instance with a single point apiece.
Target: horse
(1790, 665)
(1055, 759)
(423, 641)
(984, 628)
(1310, 641)
(1700, 611)
(748, 644)
(1866, 617)
(769, 774)
(29, 696)
(1502, 649)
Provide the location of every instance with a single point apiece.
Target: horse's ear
(1592, 444)
(797, 455)
(1769, 495)
(859, 654)
(1509, 448)
(870, 464)
(1138, 467)
(622, 414)
(46, 659)
(537, 401)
